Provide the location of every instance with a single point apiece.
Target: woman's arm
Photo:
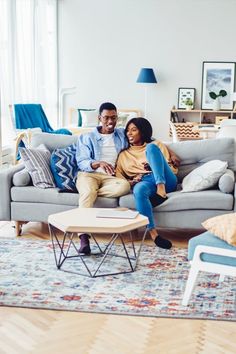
(119, 172)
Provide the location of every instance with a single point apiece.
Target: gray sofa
(181, 210)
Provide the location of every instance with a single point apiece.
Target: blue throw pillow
(64, 167)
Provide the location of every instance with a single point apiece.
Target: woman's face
(133, 135)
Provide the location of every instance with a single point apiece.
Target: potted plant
(215, 97)
(189, 104)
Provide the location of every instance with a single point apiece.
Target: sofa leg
(18, 227)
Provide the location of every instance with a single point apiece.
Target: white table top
(85, 220)
(206, 128)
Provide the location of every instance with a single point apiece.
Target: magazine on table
(117, 214)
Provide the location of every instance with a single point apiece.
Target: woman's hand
(135, 179)
(147, 167)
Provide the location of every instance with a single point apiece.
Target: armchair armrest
(6, 176)
(216, 251)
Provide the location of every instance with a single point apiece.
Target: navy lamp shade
(146, 76)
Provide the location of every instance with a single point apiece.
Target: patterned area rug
(29, 278)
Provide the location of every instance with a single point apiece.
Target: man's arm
(85, 157)
(84, 154)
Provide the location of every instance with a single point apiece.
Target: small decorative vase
(216, 104)
(189, 108)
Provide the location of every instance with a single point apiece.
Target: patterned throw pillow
(64, 167)
(37, 163)
(223, 226)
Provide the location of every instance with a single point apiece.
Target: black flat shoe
(162, 242)
(156, 200)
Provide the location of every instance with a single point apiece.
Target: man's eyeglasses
(107, 118)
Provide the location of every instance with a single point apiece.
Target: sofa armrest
(6, 176)
(234, 196)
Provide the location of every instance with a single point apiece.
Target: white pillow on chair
(89, 118)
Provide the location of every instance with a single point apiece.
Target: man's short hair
(108, 106)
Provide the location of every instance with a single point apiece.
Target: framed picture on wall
(186, 95)
(217, 76)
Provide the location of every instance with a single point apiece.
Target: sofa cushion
(64, 167)
(201, 151)
(209, 199)
(37, 163)
(205, 176)
(223, 226)
(209, 239)
(226, 182)
(54, 196)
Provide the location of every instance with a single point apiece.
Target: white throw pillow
(205, 176)
(89, 118)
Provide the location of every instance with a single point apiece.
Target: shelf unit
(185, 120)
(200, 116)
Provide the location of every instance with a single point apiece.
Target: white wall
(104, 43)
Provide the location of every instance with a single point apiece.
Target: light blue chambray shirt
(89, 147)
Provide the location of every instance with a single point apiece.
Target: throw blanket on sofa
(29, 116)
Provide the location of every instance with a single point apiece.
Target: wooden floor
(24, 331)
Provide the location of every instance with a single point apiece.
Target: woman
(147, 165)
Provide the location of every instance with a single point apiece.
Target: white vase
(189, 108)
(216, 104)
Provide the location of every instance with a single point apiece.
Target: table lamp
(146, 76)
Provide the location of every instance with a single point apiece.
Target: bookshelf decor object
(186, 95)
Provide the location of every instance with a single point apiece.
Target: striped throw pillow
(37, 163)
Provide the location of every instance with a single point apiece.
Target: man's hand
(107, 167)
(175, 160)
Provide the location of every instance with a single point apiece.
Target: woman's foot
(157, 200)
(161, 190)
(162, 242)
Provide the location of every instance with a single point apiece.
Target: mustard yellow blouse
(130, 161)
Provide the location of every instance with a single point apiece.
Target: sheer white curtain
(28, 58)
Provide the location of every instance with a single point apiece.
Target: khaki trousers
(91, 185)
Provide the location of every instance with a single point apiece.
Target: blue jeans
(161, 173)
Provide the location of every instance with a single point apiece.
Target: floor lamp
(146, 76)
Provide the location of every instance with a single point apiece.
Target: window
(28, 58)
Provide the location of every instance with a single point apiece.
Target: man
(96, 157)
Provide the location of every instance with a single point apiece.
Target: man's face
(108, 118)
